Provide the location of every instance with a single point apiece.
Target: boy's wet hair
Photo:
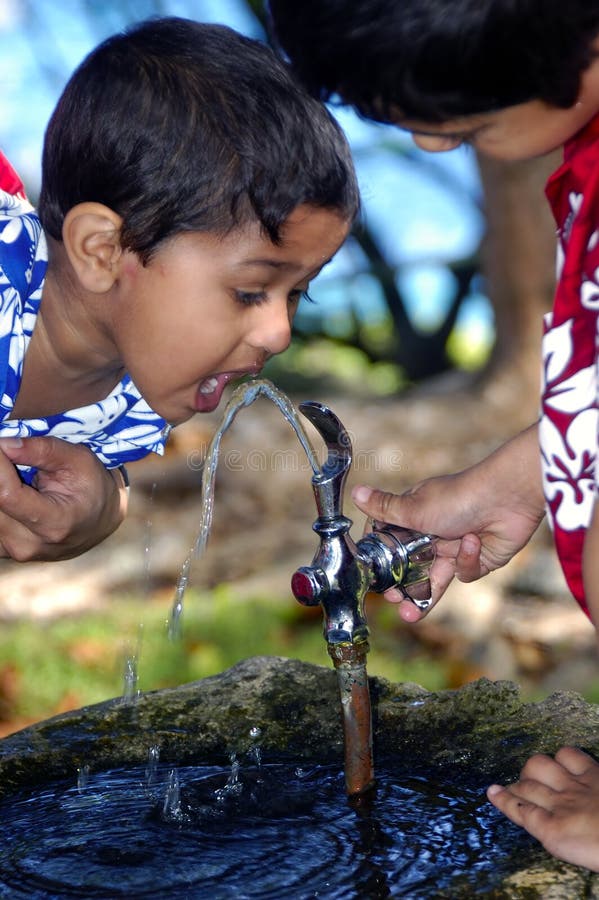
(435, 60)
(179, 126)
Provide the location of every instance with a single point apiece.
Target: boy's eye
(250, 298)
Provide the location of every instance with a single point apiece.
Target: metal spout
(328, 484)
(350, 664)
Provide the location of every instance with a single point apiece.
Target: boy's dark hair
(180, 126)
(435, 60)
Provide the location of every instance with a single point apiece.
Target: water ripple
(253, 831)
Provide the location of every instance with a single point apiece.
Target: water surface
(254, 831)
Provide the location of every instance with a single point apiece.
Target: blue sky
(424, 209)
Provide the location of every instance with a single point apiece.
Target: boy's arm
(76, 503)
(483, 515)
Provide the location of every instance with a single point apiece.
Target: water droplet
(152, 767)
(82, 777)
(255, 756)
(172, 798)
(130, 678)
(174, 624)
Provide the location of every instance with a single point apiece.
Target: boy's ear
(91, 238)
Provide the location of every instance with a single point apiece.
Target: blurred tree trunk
(420, 354)
(518, 262)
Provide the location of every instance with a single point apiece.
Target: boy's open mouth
(210, 391)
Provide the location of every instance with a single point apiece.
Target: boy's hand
(482, 515)
(75, 504)
(557, 801)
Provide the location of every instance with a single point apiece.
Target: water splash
(234, 785)
(255, 752)
(131, 670)
(148, 541)
(244, 395)
(172, 798)
(152, 767)
(82, 778)
(174, 623)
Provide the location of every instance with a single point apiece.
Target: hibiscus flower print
(569, 469)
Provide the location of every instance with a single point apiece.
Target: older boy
(514, 80)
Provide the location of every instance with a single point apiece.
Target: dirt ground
(519, 623)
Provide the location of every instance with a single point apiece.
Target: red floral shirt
(569, 419)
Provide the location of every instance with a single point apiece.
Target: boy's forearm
(513, 472)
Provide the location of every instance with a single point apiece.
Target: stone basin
(483, 727)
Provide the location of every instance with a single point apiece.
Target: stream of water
(243, 395)
(255, 831)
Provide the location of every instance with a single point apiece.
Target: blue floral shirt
(119, 429)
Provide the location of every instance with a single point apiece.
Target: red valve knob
(308, 585)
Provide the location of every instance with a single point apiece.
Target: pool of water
(254, 831)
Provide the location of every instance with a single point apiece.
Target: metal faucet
(342, 571)
(341, 574)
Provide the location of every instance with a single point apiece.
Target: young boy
(191, 189)
(514, 80)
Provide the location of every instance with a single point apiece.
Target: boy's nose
(272, 328)
(436, 143)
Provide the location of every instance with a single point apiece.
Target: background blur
(424, 339)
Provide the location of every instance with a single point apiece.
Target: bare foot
(557, 801)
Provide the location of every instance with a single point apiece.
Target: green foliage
(328, 365)
(469, 348)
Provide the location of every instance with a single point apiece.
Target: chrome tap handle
(400, 558)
